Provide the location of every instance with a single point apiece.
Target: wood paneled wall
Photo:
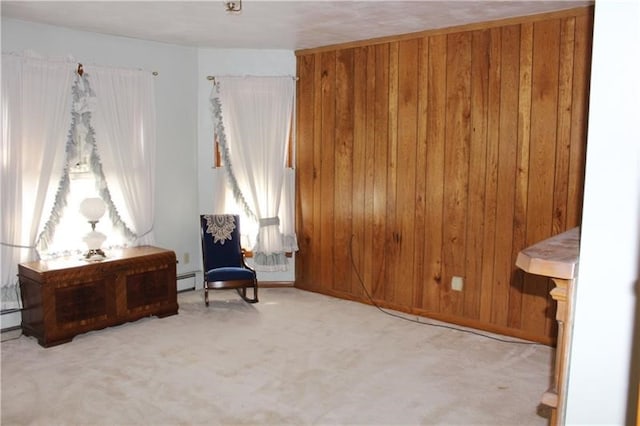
(438, 155)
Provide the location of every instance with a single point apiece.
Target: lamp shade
(93, 208)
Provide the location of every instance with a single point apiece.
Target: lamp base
(94, 254)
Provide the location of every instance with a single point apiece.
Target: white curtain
(125, 126)
(287, 211)
(253, 119)
(36, 105)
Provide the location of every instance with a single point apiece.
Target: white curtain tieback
(269, 221)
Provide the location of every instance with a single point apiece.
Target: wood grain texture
(366, 242)
(67, 296)
(436, 88)
(359, 175)
(392, 251)
(514, 317)
(477, 168)
(343, 168)
(421, 280)
(579, 112)
(489, 215)
(327, 146)
(306, 171)
(443, 155)
(456, 166)
(507, 171)
(381, 120)
(406, 148)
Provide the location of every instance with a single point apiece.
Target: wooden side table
(68, 296)
(557, 258)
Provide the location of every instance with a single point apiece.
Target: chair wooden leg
(243, 294)
(206, 295)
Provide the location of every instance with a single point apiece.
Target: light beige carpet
(294, 358)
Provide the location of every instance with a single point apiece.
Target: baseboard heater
(186, 281)
(10, 323)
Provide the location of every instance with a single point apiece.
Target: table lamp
(93, 209)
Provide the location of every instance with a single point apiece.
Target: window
(249, 226)
(38, 207)
(64, 228)
(120, 123)
(72, 227)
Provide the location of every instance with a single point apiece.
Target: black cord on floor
(417, 320)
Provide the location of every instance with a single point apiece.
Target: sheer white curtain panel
(256, 114)
(36, 115)
(125, 134)
(287, 211)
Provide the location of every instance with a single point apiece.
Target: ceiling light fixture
(233, 6)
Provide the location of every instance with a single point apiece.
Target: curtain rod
(80, 70)
(213, 78)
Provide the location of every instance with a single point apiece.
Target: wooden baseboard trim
(461, 322)
(275, 284)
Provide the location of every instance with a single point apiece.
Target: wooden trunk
(65, 297)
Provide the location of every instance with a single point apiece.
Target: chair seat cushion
(229, 274)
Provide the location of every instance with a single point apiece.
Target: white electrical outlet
(457, 283)
(185, 257)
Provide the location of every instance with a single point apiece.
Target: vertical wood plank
(305, 166)
(406, 170)
(420, 279)
(456, 165)
(563, 145)
(491, 176)
(502, 266)
(356, 248)
(393, 230)
(380, 169)
(316, 268)
(544, 106)
(436, 109)
(477, 172)
(368, 239)
(343, 169)
(522, 173)
(327, 168)
(579, 113)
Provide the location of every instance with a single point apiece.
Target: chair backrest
(220, 235)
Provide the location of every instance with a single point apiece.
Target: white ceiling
(264, 24)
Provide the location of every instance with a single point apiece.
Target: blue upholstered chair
(223, 258)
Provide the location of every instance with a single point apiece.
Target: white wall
(219, 62)
(603, 375)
